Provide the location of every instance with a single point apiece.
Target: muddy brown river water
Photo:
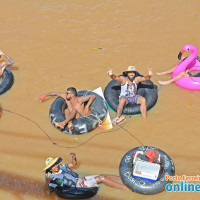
(54, 46)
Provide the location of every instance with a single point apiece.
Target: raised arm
(114, 77)
(62, 95)
(9, 61)
(74, 161)
(145, 78)
(89, 99)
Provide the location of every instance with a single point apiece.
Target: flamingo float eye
(187, 48)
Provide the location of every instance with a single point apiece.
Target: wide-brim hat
(51, 161)
(130, 69)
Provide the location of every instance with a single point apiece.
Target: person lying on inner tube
(128, 95)
(61, 175)
(75, 105)
(5, 64)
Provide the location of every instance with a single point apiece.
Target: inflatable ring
(145, 187)
(192, 63)
(146, 89)
(81, 125)
(76, 193)
(6, 81)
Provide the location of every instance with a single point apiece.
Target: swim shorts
(131, 100)
(197, 75)
(193, 75)
(87, 181)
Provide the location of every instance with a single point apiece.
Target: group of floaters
(141, 167)
(129, 94)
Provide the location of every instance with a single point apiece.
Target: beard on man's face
(131, 78)
(68, 99)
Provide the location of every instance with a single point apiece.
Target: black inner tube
(146, 89)
(81, 125)
(76, 193)
(141, 186)
(6, 81)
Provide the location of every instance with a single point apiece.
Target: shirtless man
(75, 105)
(128, 94)
(5, 64)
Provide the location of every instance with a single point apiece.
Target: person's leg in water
(108, 180)
(120, 108)
(143, 106)
(166, 72)
(2, 69)
(68, 119)
(112, 177)
(176, 78)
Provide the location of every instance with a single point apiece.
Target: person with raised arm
(61, 175)
(76, 107)
(128, 94)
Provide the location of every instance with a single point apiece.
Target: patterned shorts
(87, 181)
(131, 100)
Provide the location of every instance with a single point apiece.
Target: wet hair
(72, 90)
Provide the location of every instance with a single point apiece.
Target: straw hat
(51, 161)
(130, 69)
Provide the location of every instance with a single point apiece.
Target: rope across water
(54, 143)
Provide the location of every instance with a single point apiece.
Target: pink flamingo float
(191, 63)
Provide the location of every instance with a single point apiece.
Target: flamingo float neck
(183, 65)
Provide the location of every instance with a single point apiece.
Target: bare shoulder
(79, 99)
(82, 99)
(138, 79)
(123, 79)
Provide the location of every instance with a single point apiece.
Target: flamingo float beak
(180, 54)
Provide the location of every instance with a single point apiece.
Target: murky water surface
(52, 43)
